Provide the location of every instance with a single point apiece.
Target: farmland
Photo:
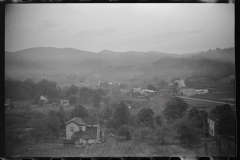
(227, 97)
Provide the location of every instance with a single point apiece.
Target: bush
(189, 135)
(110, 130)
(144, 134)
(124, 131)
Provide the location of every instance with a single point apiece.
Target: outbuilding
(111, 139)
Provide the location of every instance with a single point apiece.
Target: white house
(187, 91)
(81, 132)
(212, 124)
(202, 91)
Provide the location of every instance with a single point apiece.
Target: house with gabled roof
(212, 124)
(82, 132)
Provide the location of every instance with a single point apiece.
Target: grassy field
(124, 148)
(201, 105)
(221, 97)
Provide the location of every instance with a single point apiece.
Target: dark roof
(77, 121)
(212, 117)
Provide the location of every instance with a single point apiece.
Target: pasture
(123, 148)
(227, 97)
(202, 105)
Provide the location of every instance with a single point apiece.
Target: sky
(171, 28)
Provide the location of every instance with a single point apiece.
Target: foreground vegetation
(177, 131)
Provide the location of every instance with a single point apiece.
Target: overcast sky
(172, 28)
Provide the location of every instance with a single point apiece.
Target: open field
(124, 148)
(207, 106)
(227, 97)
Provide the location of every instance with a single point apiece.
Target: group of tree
(226, 120)
(187, 122)
(31, 91)
(41, 126)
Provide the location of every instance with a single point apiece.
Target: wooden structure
(111, 139)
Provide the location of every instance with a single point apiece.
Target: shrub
(144, 134)
(110, 130)
(124, 131)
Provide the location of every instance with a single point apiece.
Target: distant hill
(52, 60)
(212, 65)
(225, 55)
(129, 66)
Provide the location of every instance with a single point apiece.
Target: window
(72, 129)
(80, 128)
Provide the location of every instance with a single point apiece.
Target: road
(205, 100)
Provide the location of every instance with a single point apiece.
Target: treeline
(31, 91)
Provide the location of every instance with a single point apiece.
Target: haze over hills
(71, 60)
(111, 65)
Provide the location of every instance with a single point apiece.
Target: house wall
(68, 130)
(211, 127)
(188, 92)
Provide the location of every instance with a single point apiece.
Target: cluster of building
(185, 91)
(81, 133)
(124, 89)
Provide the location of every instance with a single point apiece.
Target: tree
(79, 111)
(96, 100)
(219, 109)
(161, 133)
(144, 134)
(162, 84)
(73, 99)
(72, 90)
(62, 116)
(174, 79)
(189, 136)
(38, 123)
(175, 84)
(146, 116)
(226, 124)
(85, 94)
(194, 116)
(175, 108)
(54, 124)
(121, 115)
(124, 131)
(107, 113)
(158, 120)
(151, 87)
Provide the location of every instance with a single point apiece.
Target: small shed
(111, 139)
